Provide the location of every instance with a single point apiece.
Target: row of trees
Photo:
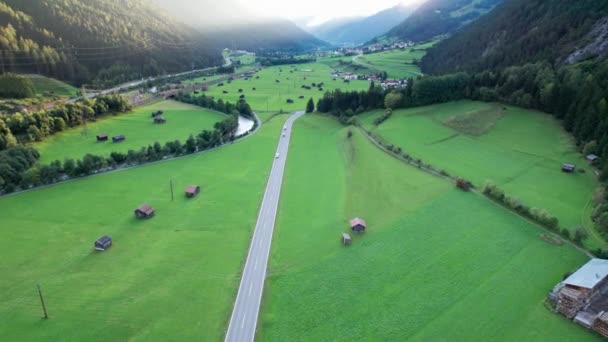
(241, 107)
(18, 169)
(23, 127)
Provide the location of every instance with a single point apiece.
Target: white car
(283, 135)
(277, 156)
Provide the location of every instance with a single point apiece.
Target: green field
(435, 264)
(272, 96)
(519, 150)
(243, 58)
(138, 127)
(172, 277)
(49, 86)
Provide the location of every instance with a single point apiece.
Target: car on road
(284, 135)
(277, 156)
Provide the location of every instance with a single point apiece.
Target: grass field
(172, 277)
(272, 96)
(50, 86)
(435, 264)
(182, 120)
(397, 63)
(519, 150)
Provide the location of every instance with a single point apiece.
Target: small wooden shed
(358, 225)
(592, 159)
(157, 113)
(144, 211)
(289, 101)
(118, 138)
(102, 137)
(103, 243)
(569, 168)
(160, 120)
(346, 240)
(192, 191)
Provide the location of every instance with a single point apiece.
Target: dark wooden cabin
(358, 225)
(569, 168)
(144, 211)
(192, 191)
(103, 243)
(346, 240)
(118, 138)
(102, 137)
(160, 120)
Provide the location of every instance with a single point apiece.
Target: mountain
(522, 31)
(231, 25)
(266, 36)
(355, 31)
(439, 17)
(100, 41)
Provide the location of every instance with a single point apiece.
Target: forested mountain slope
(521, 31)
(438, 17)
(359, 30)
(106, 41)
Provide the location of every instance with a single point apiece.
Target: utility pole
(171, 186)
(46, 316)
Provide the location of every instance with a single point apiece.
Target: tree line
(19, 168)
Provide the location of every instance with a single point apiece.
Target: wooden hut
(103, 243)
(568, 168)
(102, 137)
(192, 191)
(346, 240)
(160, 120)
(289, 101)
(358, 225)
(463, 184)
(118, 138)
(144, 211)
(592, 159)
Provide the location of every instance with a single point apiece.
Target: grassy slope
(52, 86)
(522, 152)
(435, 262)
(272, 96)
(171, 277)
(138, 126)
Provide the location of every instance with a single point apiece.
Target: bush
(16, 86)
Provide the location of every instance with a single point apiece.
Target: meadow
(521, 151)
(435, 263)
(171, 277)
(271, 96)
(50, 86)
(138, 127)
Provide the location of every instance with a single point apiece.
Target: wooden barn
(102, 137)
(463, 184)
(568, 168)
(118, 138)
(346, 240)
(600, 325)
(358, 225)
(592, 159)
(289, 101)
(144, 211)
(160, 120)
(192, 191)
(103, 243)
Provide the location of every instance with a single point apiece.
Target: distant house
(192, 191)
(569, 168)
(160, 120)
(144, 211)
(346, 240)
(102, 137)
(349, 76)
(103, 243)
(592, 158)
(289, 101)
(301, 97)
(358, 225)
(118, 138)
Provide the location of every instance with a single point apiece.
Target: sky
(319, 10)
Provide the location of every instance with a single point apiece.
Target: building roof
(592, 157)
(192, 189)
(357, 221)
(104, 239)
(345, 236)
(146, 209)
(589, 275)
(568, 166)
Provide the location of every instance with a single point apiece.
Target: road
(247, 305)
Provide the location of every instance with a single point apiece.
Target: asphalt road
(247, 306)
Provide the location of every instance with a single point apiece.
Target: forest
(98, 42)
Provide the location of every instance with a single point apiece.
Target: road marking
(243, 322)
(255, 266)
(250, 288)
